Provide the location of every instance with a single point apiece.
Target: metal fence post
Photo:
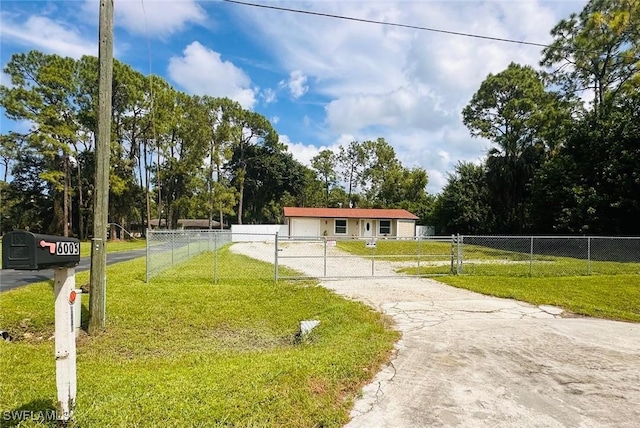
(173, 242)
(325, 257)
(149, 233)
(275, 264)
(419, 252)
(373, 260)
(588, 255)
(215, 258)
(459, 258)
(453, 237)
(531, 258)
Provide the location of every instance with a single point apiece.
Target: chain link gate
(343, 257)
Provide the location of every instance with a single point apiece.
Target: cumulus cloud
(154, 18)
(297, 84)
(406, 85)
(47, 35)
(202, 71)
(403, 107)
(302, 152)
(269, 96)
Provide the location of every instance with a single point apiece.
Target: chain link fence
(548, 255)
(168, 248)
(348, 257)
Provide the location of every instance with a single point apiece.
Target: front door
(367, 228)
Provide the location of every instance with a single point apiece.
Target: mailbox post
(23, 250)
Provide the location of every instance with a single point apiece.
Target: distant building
(356, 222)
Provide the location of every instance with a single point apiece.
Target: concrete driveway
(470, 360)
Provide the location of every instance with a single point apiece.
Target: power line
(390, 24)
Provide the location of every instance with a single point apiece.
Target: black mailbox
(23, 250)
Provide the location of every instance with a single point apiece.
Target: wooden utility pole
(98, 281)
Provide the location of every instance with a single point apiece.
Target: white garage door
(305, 227)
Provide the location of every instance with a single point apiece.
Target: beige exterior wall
(400, 228)
(406, 228)
(326, 226)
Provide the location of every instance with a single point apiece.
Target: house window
(385, 227)
(340, 227)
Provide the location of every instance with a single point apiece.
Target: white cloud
(302, 152)
(297, 84)
(406, 85)
(45, 34)
(202, 71)
(269, 96)
(404, 107)
(437, 181)
(153, 18)
(444, 156)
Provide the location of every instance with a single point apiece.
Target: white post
(65, 340)
(77, 312)
(275, 263)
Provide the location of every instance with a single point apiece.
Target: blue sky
(322, 82)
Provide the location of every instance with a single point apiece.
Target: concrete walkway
(470, 360)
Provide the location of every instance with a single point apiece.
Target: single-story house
(353, 222)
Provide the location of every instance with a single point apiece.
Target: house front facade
(350, 222)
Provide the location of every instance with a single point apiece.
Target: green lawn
(114, 246)
(394, 250)
(605, 296)
(612, 290)
(181, 351)
(435, 258)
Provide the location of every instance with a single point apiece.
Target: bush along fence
(344, 257)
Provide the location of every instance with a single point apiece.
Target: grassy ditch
(181, 351)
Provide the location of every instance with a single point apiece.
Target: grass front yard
(612, 290)
(181, 351)
(614, 297)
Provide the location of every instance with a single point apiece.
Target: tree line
(173, 156)
(557, 165)
(565, 154)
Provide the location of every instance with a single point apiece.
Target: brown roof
(349, 213)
